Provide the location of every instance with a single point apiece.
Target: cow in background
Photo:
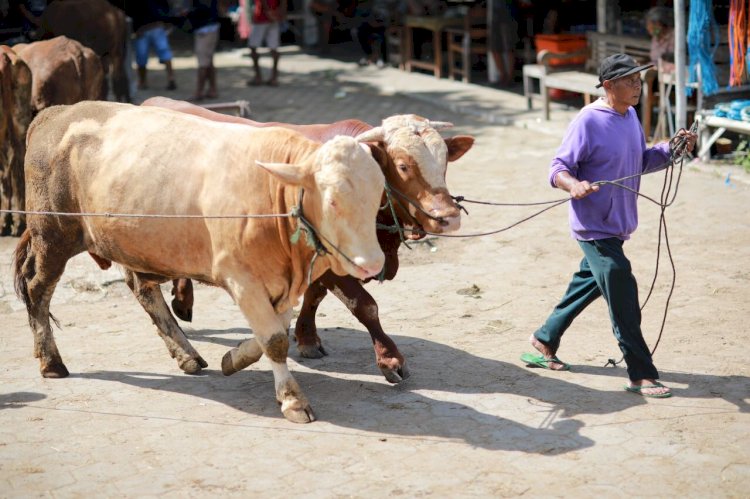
(15, 116)
(63, 72)
(98, 25)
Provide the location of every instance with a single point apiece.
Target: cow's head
(419, 163)
(343, 185)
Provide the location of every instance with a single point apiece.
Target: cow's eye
(403, 167)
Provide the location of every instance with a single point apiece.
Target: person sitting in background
(375, 16)
(425, 7)
(659, 24)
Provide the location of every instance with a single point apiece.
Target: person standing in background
(266, 17)
(150, 33)
(204, 22)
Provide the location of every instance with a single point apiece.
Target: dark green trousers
(605, 271)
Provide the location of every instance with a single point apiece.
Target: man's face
(628, 89)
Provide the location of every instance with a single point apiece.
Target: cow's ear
(378, 153)
(458, 146)
(376, 134)
(286, 172)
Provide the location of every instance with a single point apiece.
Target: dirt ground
(472, 420)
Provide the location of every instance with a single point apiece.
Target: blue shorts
(155, 38)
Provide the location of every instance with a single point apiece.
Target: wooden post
(680, 62)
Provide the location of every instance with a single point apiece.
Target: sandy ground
(471, 421)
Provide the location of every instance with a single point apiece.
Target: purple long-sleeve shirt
(602, 144)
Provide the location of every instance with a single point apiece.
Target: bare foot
(547, 352)
(651, 388)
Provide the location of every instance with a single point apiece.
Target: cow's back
(319, 132)
(64, 72)
(98, 25)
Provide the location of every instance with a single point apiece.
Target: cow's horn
(374, 135)
(439, 125)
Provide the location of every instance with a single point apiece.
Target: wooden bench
(584, 78)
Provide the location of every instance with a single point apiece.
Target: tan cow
(15, 116)
(106, 157)
(64, 72)
(99, 25)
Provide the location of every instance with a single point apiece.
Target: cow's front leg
(361, 303)
(305, 330)
(270, 330)
(148, 294)
(248, 352)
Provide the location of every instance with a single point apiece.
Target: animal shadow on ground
(365, 406)
(17, 400)
(436, 366)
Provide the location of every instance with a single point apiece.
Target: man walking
(606, 142)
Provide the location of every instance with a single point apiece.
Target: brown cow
(416, 167)
(63, 71)
(15, 116)
(98, 25)
(78, 160)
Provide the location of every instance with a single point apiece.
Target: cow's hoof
(193, 366)
(312, 351)
(227, 366)
(181, 311)
(55, 370)
(296, 413)
(396, 375)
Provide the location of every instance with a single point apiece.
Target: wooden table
(436, 25)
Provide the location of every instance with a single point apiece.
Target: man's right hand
(581, 189)
(578, 189)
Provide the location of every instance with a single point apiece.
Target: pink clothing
(243, 26)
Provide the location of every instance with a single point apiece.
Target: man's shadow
(350, 352)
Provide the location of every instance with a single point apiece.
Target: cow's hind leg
(39, 263)
(182, 304)
(305, 330)
(148, 293)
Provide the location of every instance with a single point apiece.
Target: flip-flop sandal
(638, 390)
(543, 362)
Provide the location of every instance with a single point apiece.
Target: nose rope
(406, 198)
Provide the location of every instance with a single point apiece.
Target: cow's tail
(19, 259)
(23, 272)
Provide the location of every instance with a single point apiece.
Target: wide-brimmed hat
(617, 66)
